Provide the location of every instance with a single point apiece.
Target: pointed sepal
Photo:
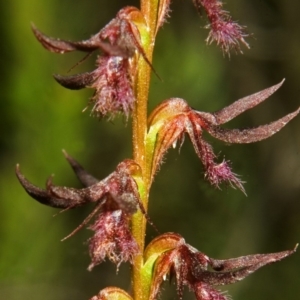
(173, 118)
(63, 46)
(201, 273)
(120, 43)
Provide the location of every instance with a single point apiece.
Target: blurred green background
(39, 118)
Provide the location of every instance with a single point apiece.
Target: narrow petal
(76, 82)
(251, 135)
(62, 46)
(131, 41)
(84, 177)
(84, 222)
(228, 113)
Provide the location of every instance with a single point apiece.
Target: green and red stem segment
(149, 8)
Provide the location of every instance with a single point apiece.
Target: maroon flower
(113, 79)
(169, 122)
(112, 238)
(225, 32)
(191, 268)
(116, 198)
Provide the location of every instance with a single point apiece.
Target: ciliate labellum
(225, 32)
(116, 198)
(114, 76)
(112, 238)
(172, 119)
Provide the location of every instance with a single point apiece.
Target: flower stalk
(121, 80)
(140, 285)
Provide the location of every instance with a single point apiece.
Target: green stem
(141, 285)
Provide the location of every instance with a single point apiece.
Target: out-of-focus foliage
(39, 118)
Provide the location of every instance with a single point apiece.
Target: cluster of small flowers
(117, 196)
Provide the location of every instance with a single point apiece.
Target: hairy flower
(225, 32)
(112, 238)
(113, 78)
(169, 122)
(116, 198)
(191, 268)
